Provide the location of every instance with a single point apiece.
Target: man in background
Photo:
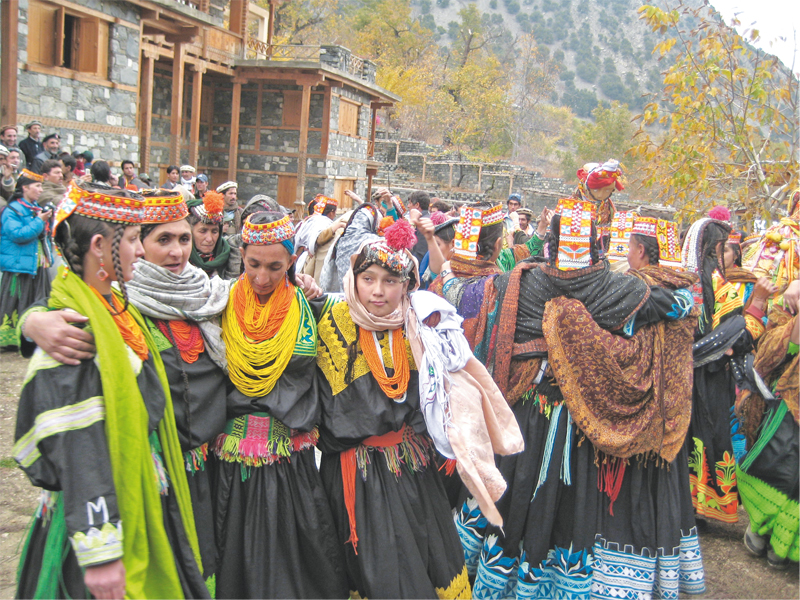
(31, 146)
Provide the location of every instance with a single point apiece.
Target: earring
(286, 280)
(101, 272)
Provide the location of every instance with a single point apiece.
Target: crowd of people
(409, 398)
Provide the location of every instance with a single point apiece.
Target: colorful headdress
(596, 176)
(575, 234)
(392, 252)
(691, 255)
(666, 235)
(620, 234)
(735, 238)
(209, 210)
(163, 206)
(102, 203)
(27, 177)
(720, 213)
(266, 234)
(320, 202)
(471, 220)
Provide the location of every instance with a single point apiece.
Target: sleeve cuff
(98, 546)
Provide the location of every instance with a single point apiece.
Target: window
(60, 37)
(348, 117)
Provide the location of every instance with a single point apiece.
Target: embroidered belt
(257, 439)
(398, 448)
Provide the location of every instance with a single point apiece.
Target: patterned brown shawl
(772, 365)
(620, 394)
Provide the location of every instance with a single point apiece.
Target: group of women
(177, 445)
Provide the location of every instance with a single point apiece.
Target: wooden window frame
(344, 128)
(91, 35)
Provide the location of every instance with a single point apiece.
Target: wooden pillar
(326, 121)
(197, 99)
(233, 149)
(238, 21)
(270, 28)
(177, 105)
(305, 109)
(146, 112)
(374, 121)
(9, 55)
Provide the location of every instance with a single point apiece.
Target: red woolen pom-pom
(720, 213)
(401, 236)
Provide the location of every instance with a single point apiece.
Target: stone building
(170, 82)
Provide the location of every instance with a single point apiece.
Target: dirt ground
(730, 571)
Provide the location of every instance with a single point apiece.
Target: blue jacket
(19, 239)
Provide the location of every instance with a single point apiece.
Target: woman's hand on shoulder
(56, 334)
(308, 286)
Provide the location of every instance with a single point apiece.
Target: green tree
(730, 113)
(610, 136)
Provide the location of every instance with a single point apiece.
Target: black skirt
(202, 485)
(275, 532)
(18, 291)
(71, 578)
(407, 544)
(712, 463)
(559, 535)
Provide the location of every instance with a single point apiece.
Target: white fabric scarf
(191, 296)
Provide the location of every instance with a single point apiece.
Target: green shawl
(222, 252)
(148, 558)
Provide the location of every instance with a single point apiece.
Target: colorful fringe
(771, 513)
(158, 462)
(414, 452)
(255, 441)
(195, 460)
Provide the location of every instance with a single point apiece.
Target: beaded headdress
(392, 252)
(666, 235)
(266, 234)
(471, 220)
(104, 204)
(691, 258)
(735, 238)
(320, 202)
(620, 235)
(595, 176)
(210, 209)
(163, 206)
(29, 175)
(575, 234)
(669, 246)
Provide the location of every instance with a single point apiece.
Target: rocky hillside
(602, 49)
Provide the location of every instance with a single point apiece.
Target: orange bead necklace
(395, 386)
(129, 329)
(186, 336)
(261, 321)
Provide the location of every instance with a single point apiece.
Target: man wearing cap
(8, 138)
(232, 216)
(31, 146)
(200, 186)
(51, 143)
(525, 231)
(513, 204)
(187, 176)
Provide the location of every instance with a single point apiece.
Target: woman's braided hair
(650, 248)
(74, 238)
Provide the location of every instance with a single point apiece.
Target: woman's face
(380, 291)
(205, 237)
(130, 250)
(266, 268)
(169, 246)
(603, 193)
(446, 248)
(637, 257)
(729, 256)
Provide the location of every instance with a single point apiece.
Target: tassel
(566, 477)
(548, 450)
(449, 467)
(609, 479)
(348, 464)
(158, 463)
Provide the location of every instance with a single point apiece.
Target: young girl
(391, 511)
(101, 436)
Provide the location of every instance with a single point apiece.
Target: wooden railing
(336, 57)
(258, 49)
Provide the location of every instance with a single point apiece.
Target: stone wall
(76, 102)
